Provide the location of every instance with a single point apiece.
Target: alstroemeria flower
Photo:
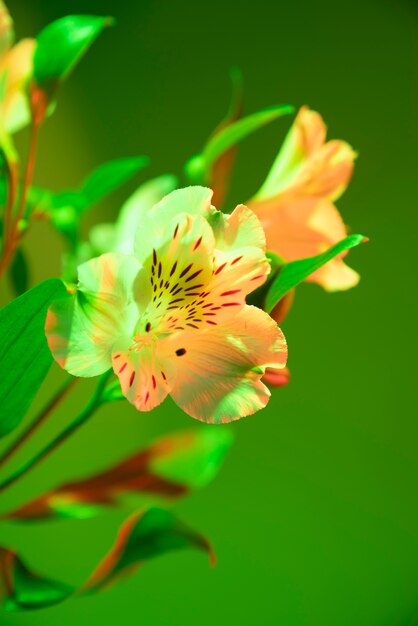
(16, 66)
(295, 203)
(173, 318)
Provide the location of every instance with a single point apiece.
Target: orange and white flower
(16, 67)
(295, 204)
(172, 318)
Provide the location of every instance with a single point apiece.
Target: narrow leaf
(168, 469)
(24, 354)
(110, 176)
(62, 44)
(293, 273)
(142, 537)
(234, 133)
(22, 589)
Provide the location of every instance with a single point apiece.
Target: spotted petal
(240, 264)
(153, 224)
(145, 376)
(220, 370)
(178, 268)
(82, 328)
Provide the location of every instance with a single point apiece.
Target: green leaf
(165, 471)
(19, 273)
(234, 133)
(142, 537)
(293, 273)
(109, 176)
(22, 589)
(24, 354)
(62, 44)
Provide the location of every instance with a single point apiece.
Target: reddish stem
(38, 421)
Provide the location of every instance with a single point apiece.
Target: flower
(295, 203)
(172, 319)
(16, 66)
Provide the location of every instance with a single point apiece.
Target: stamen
(180, 351)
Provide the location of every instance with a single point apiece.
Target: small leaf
(24, 354)
(142, 537)
(19, 273)
(109, 176)
(163, 472)
(62, 44)
(234, 133)
(293, 273)
(22, 589)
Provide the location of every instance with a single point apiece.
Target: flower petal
(219, 370)
(240, 263)
(306, 164)
(145, 377)
(300, 227)
(179, 269)
(18, 67)
(82, 329)
(6, 29)
(153, 224)
(142, 201)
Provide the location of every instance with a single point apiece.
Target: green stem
(38, 421)
(92, 405)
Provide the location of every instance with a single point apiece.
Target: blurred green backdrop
(315, 514)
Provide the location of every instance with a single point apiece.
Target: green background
(315, 514)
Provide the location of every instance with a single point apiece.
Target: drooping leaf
(142, 537)
(21, 589)
(19, 273)
(293, 273)
(166, 470)
(109, 176)
(62, 44)
(199, 167)
(24, 354)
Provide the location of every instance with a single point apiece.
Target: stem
(38, 109)
(38, 421)
(92, 405)
(12, 182)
